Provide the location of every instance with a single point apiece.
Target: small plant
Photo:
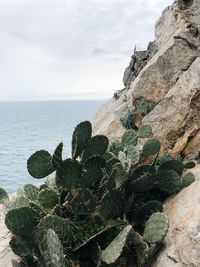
(104, 207)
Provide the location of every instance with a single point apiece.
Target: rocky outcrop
(182, 244)
(168, 76)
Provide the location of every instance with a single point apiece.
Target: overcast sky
(70, 49)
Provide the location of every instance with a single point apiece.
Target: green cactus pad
(31, 191)
(113, 252)
(147, 210)
(145, 131)
(156, 228)
(189, 165)
(129, 138)
(168, 181)
(151, 147)
(111, 204)
(62, 227)
(188, 179)
(109, 155)
(21, 247)
(96, 146)
(81, 136)
(22, 221)
(83, 202)
(143, 183)
(92, 171)
(55, 249)
(174, 165)
(39, 165)
(95, 162)
(3, 195)
(68, 175)
(57, 156)
(115, 147)
(120, 175)
(143, 170)
(133, 154)
(48, 198)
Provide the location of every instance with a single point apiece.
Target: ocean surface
(26, 127)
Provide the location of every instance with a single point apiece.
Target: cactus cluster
(104, 207)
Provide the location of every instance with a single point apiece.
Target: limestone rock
(182, 242)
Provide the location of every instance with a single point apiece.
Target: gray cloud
(59, 49)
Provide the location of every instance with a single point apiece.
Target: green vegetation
(104, 207)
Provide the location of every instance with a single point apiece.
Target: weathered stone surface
(182, 244)
(176, 118)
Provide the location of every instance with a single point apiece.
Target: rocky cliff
(167, 74)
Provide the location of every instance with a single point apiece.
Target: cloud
(55, 49)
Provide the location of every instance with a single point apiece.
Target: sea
(26, 127)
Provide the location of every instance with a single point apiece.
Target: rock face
(170, 77)
(168, 73)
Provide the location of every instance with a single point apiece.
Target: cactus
(127, 120)
(22, 221)
(188, 179)
(96, 146)
(168, 181)
(55, 249)
(22, 247)
(68, 175)
(189, 165)
(81, 136)
(57, 156)
(39, 165)
(115, 147)
(151, 147)
(83, 202)
(31, 191)
(129, 138)
(145, 131)
(175, 165)
(146, 211)
(113, 252)
(48, 198)
(120, 175)
(132, 154)
(63, 228)
(3, 195)
(156, 228)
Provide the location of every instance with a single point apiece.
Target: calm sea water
(29, 126)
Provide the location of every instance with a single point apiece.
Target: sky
(70, 49)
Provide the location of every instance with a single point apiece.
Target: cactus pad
(168, 181)
(57, 156)
(189, 165)
(81, 136)
(156, 228)
(22, 221)
(188, 179)
(145, 131)
(129, 138)
(31, 191)
(174, 165)
(68, 175)
(151, 147)
(48, 198)
(3, 195)
(39, 165)
(113, 252)
(96, 146)
(133, 154)
(55, 249)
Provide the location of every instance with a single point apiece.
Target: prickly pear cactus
(113, 252)
(151, 147)
(40, 164)
(22, 221)
(55, 249)
(48, 198)
(188, 179)
(3, 195)
(156, 228)
(31, 192)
